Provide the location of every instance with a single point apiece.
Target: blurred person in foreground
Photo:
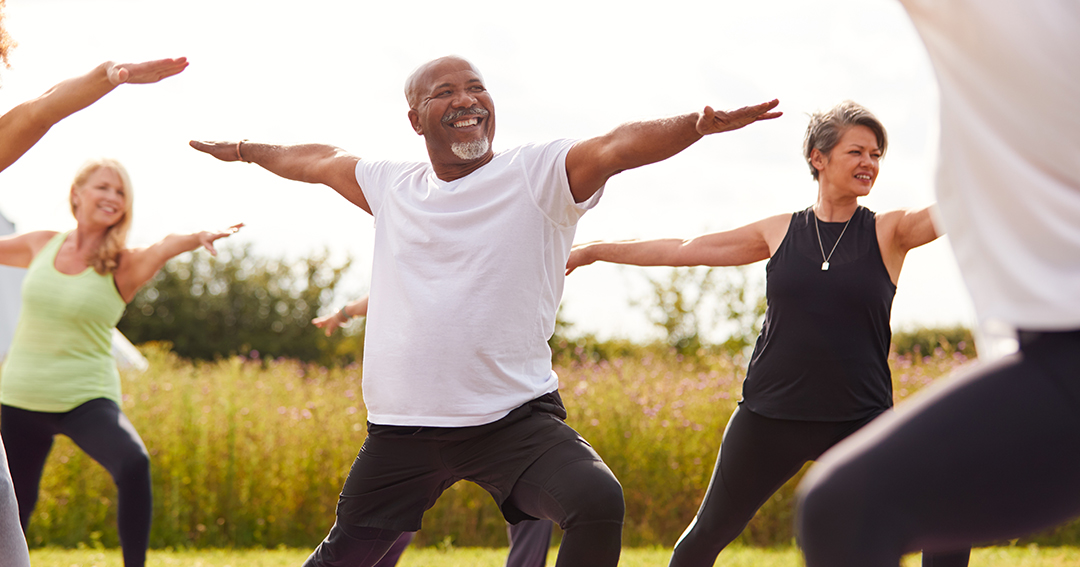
(21, 128)
(820, 368)
(470, 250)
(993, 453)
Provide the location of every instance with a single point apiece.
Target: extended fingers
(712, 121)
(224, 151)
(153, 71)
(761, 111)
(749, 114)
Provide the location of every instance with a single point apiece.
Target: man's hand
(579, 256)
(712, 122)
(148, 72)
(224, 151)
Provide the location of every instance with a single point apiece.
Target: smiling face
(452, 110)
(851, 168)
(100, 198)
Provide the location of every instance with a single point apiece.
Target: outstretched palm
(147, 72)
(712, 121)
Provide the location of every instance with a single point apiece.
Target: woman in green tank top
(60, 376)
(21, 128)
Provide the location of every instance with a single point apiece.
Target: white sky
(332, 71)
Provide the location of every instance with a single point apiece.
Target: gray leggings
(12, 543)
(990, 455)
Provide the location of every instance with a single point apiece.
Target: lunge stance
(60, 376)
(529, 540)
(993, 454)
(820, 366)
(468, 267)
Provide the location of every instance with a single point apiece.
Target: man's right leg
(393, 480)
(571, 485)
(400, 544)
(347, 546)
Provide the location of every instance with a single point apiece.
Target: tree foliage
(237, 302)
(692, 303)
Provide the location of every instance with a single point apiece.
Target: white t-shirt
(466, 279)
(1009, 171)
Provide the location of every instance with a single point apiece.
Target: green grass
(1030, 556)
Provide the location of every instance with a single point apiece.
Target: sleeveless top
(822, 354)
(61, 354)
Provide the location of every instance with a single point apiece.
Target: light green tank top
(61, 354)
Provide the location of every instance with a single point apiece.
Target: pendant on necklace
(824, 266)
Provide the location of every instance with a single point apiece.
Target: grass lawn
(488, 557)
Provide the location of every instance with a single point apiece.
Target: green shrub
(938, 340)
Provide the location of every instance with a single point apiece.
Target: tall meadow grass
(252, 453)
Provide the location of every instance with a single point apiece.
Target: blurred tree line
(239, 303)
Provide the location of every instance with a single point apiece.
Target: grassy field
(250, 453)
(1030, 556)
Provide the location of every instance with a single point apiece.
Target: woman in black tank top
(819, 370)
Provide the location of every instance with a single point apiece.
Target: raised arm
(310, 163)
(590, 163)
(22, 126)
(18, 250)
(330, 323)
(901, 230)
(744, 245)
(139, 265)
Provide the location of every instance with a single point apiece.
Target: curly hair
(826, 129)
(107, 258)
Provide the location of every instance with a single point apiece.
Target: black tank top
(822, 354)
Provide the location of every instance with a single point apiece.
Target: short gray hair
(826, 129)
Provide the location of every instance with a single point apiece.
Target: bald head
(419, 82)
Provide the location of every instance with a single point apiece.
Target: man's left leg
(571, 485)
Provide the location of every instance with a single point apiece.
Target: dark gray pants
(529, 544)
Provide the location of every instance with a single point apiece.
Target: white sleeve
(549, 185)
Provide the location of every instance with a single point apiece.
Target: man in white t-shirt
(470, 251)
(993, 454)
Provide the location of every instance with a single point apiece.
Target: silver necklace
(824, 258)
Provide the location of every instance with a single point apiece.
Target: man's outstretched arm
(310, 163)
(590, 163)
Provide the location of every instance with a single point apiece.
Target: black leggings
(757, 456)
(568, 484)
(100, 429)
(993, 454)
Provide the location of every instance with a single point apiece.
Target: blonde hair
(107, 257)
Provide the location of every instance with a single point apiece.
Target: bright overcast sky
(332, 72)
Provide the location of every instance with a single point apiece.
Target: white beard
(475, 149)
